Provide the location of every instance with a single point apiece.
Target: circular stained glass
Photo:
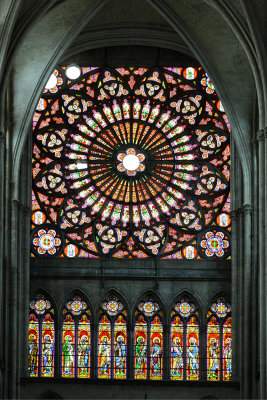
(46, 241)
(149, 307)
(40, 305)
(221, 308)
(112, 306)
(215, 243)
(184, 308)
(71, 250)
(132, 163)
(76, 306)
(38, 217)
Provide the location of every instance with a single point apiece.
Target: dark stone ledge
(131, 269)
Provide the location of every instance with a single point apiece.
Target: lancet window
(184, 341)
(219, 341)
(76, 339)
(112, 339)
(148, 340)
(41, 358)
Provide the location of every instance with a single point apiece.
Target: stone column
(247, 303)
(12, 340)
(235, 302)
(262, 261)
(2, 168)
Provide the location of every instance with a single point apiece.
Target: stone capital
(261, 134)
(247, 209)
(15, 204)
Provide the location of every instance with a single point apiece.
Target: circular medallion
(40, 305)
(76, 306)
(38, 217)
(71, 250)
(112, 306)
(47, 241)
(149, 307)
(215, 243)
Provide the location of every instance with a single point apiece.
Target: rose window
(131, 163)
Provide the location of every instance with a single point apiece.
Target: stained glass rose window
(131, 162)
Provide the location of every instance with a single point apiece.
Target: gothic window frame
(193, 312)
(41, 306)
(107, 309)
(87, 311)
(149, 297)
(220, 323)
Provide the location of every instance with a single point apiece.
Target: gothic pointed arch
(219, 340)
(185, 338)
(42, 338)
(76, 336)
(148, 337)
(112, 339)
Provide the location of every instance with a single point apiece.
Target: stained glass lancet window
(112, 339)
(219, 341)
(148, 341)
(131, 162)
(76, 340)
(41, 361)
(184, 341)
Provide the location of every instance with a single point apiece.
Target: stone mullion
(240, 230)
(13, 301)
(130, 351)
(25, 255)
(262, 349)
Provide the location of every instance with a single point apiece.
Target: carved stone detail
(247, 209)
(261, 134)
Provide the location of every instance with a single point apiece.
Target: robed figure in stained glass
(177, 358)
(68, 356)
(120, 356)
(227, 355)
(192, 357)
(156, 356)
(104, 356)
(33, 355)
(214, 365)
(83, 356)
(141, 353)
(48, 348)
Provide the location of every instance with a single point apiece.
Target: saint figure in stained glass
(76, 339)
(219, 341)
(148, 340)
(184, 341)
(41, 356)
(112, 339)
